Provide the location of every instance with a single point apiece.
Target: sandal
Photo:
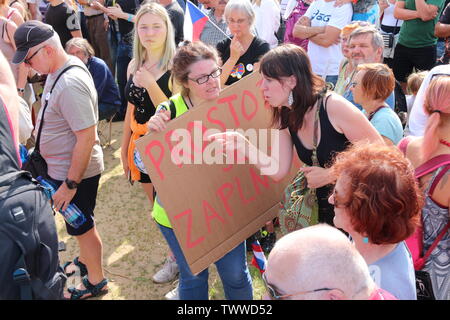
(79, 264)
(93, 290)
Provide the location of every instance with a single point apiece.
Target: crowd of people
(361, 86)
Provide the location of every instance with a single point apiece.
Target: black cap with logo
(28, 35)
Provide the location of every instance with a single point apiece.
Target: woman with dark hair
(377, 201)
(435, 144)
(196, 67)
(293, 90)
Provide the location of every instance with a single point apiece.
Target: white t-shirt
(418, 119)
(388, 17)
(283, 5)
(267, 21)
(325, 61)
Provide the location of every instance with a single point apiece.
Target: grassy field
(133, 247)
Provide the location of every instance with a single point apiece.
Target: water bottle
(72, 214)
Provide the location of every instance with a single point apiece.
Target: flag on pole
(259, 259)
(194, 22)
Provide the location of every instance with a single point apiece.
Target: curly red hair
(384, 200)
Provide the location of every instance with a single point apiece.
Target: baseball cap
(28, 35)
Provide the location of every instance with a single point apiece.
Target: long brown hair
(290, 60)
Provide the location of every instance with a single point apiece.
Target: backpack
(29, 267)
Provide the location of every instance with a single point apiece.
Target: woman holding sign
(196, 67)
(293, 90)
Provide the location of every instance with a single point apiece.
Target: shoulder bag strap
(395, 28)
(47, 97)
(431, 165)
(436, 242)
(320, 105)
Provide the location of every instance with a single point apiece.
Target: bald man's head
(314, 258)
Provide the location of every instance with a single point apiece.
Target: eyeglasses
(274, 295)
(28, 60)
(336, 202)
(204, 79)
(238, 21)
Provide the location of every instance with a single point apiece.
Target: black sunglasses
(205, 78)
(274, 295)
(28, 60)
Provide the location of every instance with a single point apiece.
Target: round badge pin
(249, 67)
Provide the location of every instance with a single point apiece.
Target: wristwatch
(71, 184)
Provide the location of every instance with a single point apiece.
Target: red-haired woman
(373, 84)
(377, 201)
(435, 213)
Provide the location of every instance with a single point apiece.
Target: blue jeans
(440, 49)
(232, 268)
(124, 56)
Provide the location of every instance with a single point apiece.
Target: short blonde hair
(139, 51)
(414, 81)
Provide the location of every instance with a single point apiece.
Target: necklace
(370, 116)
(444, 142)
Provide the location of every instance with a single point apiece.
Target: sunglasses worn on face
(28, 60)
(274, 295)
(204, 79)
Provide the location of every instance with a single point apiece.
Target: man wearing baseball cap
(69, 143)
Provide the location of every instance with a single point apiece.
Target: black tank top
(144, 107)
(331, 142)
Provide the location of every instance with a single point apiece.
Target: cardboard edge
(219, 251)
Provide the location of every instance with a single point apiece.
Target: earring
(366, 240)
(290, 98)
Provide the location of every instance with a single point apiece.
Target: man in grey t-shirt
(69, 143)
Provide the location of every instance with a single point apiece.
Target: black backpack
(29, 263)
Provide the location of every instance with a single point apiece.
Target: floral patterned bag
(299, 207)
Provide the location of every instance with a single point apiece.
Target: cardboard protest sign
(212, 207)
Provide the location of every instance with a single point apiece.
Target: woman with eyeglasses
(197, 69)
(377, 201)
(372, 85)
(435, 144)
(240, 54)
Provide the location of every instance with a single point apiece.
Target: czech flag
(259, 259)
(194, 22)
